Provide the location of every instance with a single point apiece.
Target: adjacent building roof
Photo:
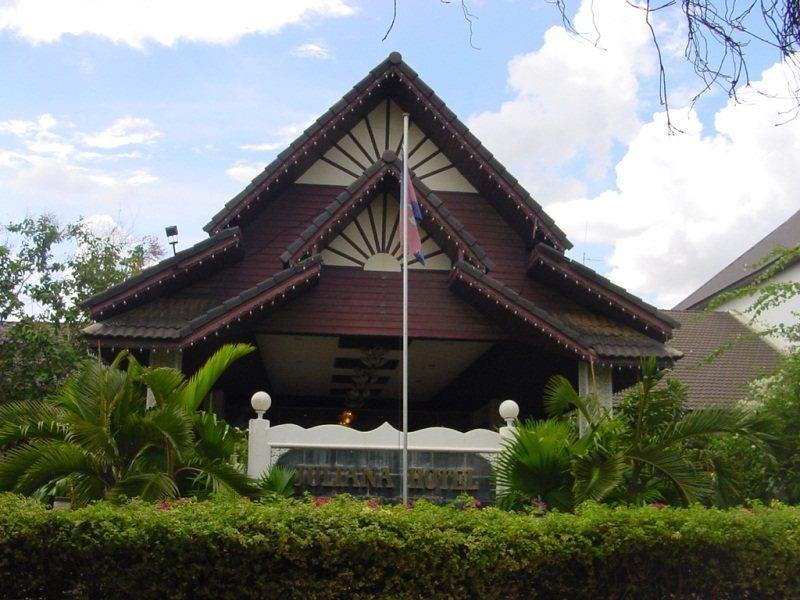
(741, 271)
(723, 380)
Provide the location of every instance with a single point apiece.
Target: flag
(414, 216)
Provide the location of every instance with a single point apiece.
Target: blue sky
(140, 115)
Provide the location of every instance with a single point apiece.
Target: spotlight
(172, 236)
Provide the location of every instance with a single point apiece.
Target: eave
(443, 227)
(494, 181)
(521, 314)
(595, 290)
(471, 282)
(245, 306)
(200, 259)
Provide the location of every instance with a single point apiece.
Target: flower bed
(356, 549)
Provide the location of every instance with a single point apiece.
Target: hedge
(351, 549)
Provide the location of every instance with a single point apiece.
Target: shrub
(352, 549)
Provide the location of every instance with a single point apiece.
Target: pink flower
(477, 503)
(163, 506)
(374, 503)
(320, 500)
(658, 505)
(539, 503)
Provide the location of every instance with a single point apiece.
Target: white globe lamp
(260, 402)
(509, 410)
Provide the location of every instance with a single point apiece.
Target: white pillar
(163, 358)
(595, 383)
(258, 451)
(509, 411)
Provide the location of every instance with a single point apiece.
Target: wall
(774, 316)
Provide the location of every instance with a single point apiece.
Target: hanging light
(346, 417)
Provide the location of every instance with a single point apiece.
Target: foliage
(766, 294)
(342, 548)
(46, 271)
(278, 482)
(779, 399)
(650, 450)
(97, 438)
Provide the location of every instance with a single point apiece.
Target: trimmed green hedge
(349, 549)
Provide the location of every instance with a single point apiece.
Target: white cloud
(573, 102)
(283, 137)
(124, 132)
(48, 155)
(312, 50)
(136, 22)
(686, 205)
(243, 171)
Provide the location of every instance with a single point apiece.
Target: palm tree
(645, 452)
(547, 461)
(100, 438)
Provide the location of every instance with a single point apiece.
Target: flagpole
(404, 216)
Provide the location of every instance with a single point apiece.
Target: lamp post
(258, 451)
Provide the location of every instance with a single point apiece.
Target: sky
(150, 113)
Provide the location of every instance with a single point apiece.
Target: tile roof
(173, 263)
(174, 319)
(543, 256)
(585, 333)
(724, 380)
(741, 270)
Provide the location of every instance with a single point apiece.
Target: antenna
(172, 236)
(584, 258)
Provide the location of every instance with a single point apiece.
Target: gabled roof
(724, 380)
(493, 178)
(207, 255)
(741, 271)
(447, 230)
(178, 332)
(593, 338)
(599, 292)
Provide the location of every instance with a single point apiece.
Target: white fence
(267, 444)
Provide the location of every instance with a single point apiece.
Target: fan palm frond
(536, 463)
(277, 482)
(597, 475)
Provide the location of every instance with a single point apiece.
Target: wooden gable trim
(444, 228)
(212, 253)
(577, 278)
(299, 155)
(471, 282)
(268, 294)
